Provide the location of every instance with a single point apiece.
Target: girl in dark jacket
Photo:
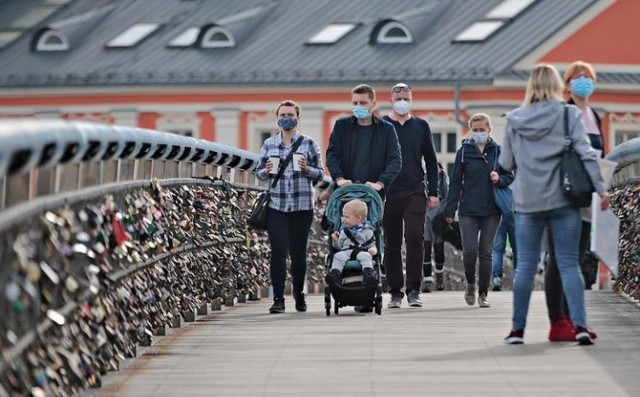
(471, 194)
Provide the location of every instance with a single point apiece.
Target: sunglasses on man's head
(400, 88)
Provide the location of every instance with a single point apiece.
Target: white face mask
(402, 107)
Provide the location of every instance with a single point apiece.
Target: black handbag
(258, 218)
(576, 183)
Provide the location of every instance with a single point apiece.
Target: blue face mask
(582, 87)
(361, 112)
(480, 137)
(287, 123)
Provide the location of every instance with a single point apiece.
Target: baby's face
(349, 219)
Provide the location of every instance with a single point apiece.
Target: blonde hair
(357, 208)
(579, 67)
(480, 117)
(544, 84)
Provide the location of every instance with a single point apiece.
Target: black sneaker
(583, 336)
(301, 304)
(278, 306)
(515, 338)
(334, 277)
(369, 277)
(427, 286)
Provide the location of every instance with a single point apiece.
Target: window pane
(133, 35)
(452, 142)
(437, 141)
(332, 33)
(479, 31)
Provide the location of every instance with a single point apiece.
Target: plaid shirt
(294, 191)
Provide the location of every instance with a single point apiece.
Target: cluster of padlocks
(626, 205)
(90, 282)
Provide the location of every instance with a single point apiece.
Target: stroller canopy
(351, 192)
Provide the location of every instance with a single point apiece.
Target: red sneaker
(562, 330)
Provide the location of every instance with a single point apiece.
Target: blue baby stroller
(353, 292)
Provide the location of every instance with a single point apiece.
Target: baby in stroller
(353, 278)
(356, 241)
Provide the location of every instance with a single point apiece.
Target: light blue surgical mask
(361, 112)
(480, 137)
(582, 87)
(402, 107)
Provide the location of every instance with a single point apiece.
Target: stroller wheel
(327, 302)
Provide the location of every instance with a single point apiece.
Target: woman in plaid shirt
(291, 208)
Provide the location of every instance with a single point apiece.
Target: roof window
(8, 36)
(217, 37)
(332, 33)
(34, 17)
(509, 9)
(393, 32)
(133, 35)
(186, 38)
(52, 41)
(479, 31)
(495, 19)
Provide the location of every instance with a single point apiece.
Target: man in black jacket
(406, 206)
(364, 148)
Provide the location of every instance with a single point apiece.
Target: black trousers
(288, 235)
(556, 303)
(404, 215)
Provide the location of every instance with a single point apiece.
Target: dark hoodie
(533, 144)
(470, 187)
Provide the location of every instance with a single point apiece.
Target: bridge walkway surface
(445, 348)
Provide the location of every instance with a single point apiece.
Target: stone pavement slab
(445, 348)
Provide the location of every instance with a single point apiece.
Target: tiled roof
(273, 51)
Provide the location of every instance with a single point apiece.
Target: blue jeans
(565, 224)
(506, 229)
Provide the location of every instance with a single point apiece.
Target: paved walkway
(443, 349)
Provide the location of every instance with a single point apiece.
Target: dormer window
(52, 41)
(133, 36)
(393, 32)
(217, 37)
(330, 34)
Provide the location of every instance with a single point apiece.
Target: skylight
(509, 9)
(332, 33)
(134, 35)
(186, 38)
(479, 31)
(500, 15)
(394, 33)
(34, 17)
(8, 36)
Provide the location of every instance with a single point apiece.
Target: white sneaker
(483, 301)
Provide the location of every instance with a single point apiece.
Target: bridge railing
(43, 157)
(116, 231)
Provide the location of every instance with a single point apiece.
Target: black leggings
(438, 251)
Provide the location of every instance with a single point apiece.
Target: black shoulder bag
(258, 218)
(576, 183)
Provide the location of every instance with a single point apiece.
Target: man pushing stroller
(356, 241)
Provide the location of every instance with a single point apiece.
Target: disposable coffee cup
(275, 160)
(296, 158)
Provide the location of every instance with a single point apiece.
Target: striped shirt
(294, 190)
